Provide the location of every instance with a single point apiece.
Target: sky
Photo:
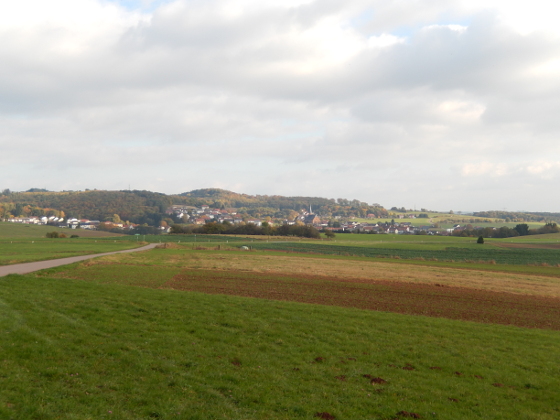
(436, 104)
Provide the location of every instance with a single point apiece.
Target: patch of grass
(192, 238)
(16, 231)
(414, 239)
(546, 238)
(20, 251)
(405, 250)
(78, 350)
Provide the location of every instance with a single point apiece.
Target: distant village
(70, 223)
(205, 214)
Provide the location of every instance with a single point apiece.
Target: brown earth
(296, 265)
(400, 297)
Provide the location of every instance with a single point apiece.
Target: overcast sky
(441, 104)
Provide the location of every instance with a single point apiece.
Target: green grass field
(446, 220)
(191, 238)
(377, 238)
(430, 239)
(20, 231)
(473, 253)
(21, 251)
(78, 350)
(25, 243)
(89, 348)
(549, 238)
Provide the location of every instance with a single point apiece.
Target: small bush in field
(55, 235)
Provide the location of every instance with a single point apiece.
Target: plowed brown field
(407, 298)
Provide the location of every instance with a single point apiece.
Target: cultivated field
(484, 296)
(198, 329)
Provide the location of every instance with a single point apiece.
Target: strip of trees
(506, 232)
(227, 228)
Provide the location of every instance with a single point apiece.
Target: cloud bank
(439, 104)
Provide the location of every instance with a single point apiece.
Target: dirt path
(41, 265)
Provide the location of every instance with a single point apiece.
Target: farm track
(30, 267)
(399, 297)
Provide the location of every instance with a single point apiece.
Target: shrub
(55, 235)
(480, 240)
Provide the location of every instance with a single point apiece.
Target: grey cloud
(485, 58)
(194, 90)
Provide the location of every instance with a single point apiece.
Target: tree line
(227, 228)
(521, 229)
(513, 216)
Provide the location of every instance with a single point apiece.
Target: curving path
(30, 267)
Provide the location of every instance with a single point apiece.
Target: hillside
(134, 206)
(150, 207)
(277, 205)
(146, 207)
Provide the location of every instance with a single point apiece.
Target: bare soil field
(528, 284)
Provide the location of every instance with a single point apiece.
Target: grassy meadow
(21, 243)
(198, 329)
(447, 220)
(82, 350)
(463, 252)
(15, 231)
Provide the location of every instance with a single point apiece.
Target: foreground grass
(77, 350)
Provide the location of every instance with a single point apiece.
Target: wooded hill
(278, 206)
(150, 207)
(134, 206)
(513, 216)
(146, 207)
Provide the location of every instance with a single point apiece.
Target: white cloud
(457, 28)
(384, 40)
(544, 169)
(523, 16)
(485, 169)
